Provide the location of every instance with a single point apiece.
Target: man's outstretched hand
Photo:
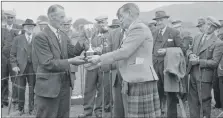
(95, 59)
(93, 62)
(78, 60)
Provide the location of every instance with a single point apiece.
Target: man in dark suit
(94, 78)
(220, 81)
(21, 61)
(165, 37)
(10, 31)
(53, 82)
(204, 57)
(119, 100)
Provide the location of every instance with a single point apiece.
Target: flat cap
(42, 19)
(177, 23)
(221, 21)
(101, 18)
(9, 13)
(201, 21)
(213, 21)
(115, 22)
(67, 20)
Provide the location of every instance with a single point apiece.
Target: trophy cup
(90, 32)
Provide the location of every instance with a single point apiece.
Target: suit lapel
(165, 36)
(63, 46)
(24, 42)
(155, 36)
(53, 38)
(197, 43)
(208, 43)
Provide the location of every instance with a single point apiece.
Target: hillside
(188, 12)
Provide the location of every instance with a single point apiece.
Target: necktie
(203, 39)
(58, 35)
(161, 33)
(29, 39)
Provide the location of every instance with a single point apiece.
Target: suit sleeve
(110, 42)
(46, 58)
(13, 53)
(74, 50)
(135, 38)
(217, 54)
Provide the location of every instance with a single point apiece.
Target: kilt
(143, 100)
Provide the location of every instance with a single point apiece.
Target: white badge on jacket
(170, 40)
(139, 60)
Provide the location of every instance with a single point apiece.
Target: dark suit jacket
(209, 54)
(170, 33)
(53, 64)
(19, 54)
(114, 40)
(220, 68)
(8, 37)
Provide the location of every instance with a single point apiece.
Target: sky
(87, 10)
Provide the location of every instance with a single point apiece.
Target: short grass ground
(78, 109)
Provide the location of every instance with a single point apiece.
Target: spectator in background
(201, 24)
(10, 31)
(220, 31)
(115, 24)
(21, 62)
(204, 57)
(66, 28)
(42, 22)
(185, 35)
(93, 81)
(152, 26)
(165, 37)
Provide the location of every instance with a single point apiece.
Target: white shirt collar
(9, 26)
(53, 29)
(163, 30)
(28, 37)
(100, 34)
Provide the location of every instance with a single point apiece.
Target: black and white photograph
(111, 59)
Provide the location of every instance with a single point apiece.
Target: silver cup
(90, 32)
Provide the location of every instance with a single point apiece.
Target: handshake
(194, 59)
(90, 62)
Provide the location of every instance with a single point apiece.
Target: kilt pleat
(143, 100)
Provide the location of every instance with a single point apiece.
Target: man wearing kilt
(134, 65)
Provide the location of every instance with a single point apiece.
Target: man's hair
(54, 8)
(129, 7)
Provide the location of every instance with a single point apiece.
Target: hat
(42, 19)
(201, 21)
(115, 22)
(10, 13)
(101, 18)
(29, 22)
(67, 20)
(160, 14)
(177, 23)
(213, 21)
(221, 21)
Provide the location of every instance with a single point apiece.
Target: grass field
(78, 109)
